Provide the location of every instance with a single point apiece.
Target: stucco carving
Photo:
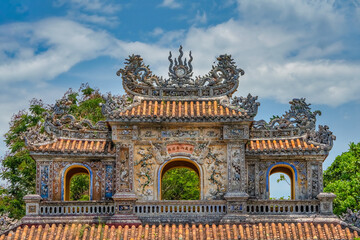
(124, 167)
(145, 172)
(215, 165)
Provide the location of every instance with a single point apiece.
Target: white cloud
(170, 4)
(322, 82)
(94, 12)
(45, 49)
(99, 6)
(200, 18)
(157, 32)
(109, 21)
(287, 49)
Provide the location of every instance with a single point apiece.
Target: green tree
(79, 188)
(180, 184)
(18, 169)
(343, 179)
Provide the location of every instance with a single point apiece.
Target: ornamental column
(124, 197)
(124, 172)
(236, 195)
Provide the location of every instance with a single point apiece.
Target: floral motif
(215, 165)
(109, 169)
(145, 178)
(44, 182)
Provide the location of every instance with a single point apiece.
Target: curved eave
(290, 146)
(72, 154)
(180, 111)
(75, 147)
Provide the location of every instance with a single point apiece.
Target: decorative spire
(181, 72)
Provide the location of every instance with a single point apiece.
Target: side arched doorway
(287, 169)
(180, 170)
(67, 175)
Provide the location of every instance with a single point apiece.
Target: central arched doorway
(179, 175)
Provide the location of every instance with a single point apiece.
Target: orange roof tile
(157, 109)
(274, 145)
(79, 146)
(184, 231)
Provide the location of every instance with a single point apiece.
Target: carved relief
(215, 165)
(124, 133)
(251, 180)
(214, 133)
(144, 172)
(109, 172)
(236, 168)
(44, 179)
(302, 178)
(97, 168)
(148, 133)
(235, 132)
(180, 134)
(58, 166)
(124, 164)
(44, 183)
(314, 180)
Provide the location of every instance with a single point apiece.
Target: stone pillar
(124, 197)
(326, 203)
(236, 196)
(237, 177)
(236, 207)
(32, 202)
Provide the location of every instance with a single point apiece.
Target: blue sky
(288, 49)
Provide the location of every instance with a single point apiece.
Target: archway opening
(180, 180)
(77, 184)
(282, 183)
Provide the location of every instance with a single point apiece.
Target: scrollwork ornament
(115, 104)
(299, 116)
(323, 137)
(248, 104)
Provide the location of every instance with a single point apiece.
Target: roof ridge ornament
(181, 72)
(222, 80)
(300, 120)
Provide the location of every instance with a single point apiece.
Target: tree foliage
(79, 188)
(180, 184)
(343, 179)
(18, 168)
